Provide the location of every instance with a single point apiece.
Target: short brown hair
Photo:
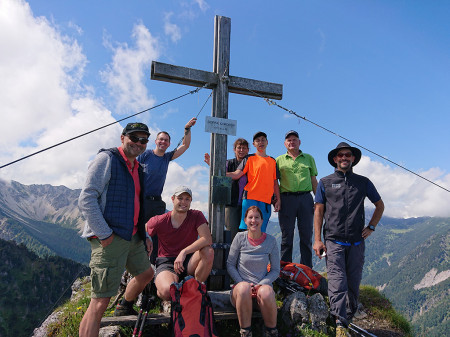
(240, 141)
(253, 208)
(163, 132)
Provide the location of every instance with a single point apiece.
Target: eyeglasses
(134, 139)
(345, 154)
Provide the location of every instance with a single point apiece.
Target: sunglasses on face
(134, 139)
(346, 154)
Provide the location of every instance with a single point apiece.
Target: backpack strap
(300, 270)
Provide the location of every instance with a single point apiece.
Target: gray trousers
(344, 269)
(300, 208)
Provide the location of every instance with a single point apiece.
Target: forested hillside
(45, 218)
(408, 260)
(31, 287)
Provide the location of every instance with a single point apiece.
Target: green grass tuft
(380, 307)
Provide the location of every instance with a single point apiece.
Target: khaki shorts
(108, 264)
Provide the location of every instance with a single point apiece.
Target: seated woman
(250, 253)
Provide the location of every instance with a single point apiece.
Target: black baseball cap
(135, 127)
(259, 134)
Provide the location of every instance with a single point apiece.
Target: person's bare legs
(163, 282)
(137, 284)
(268, 305)
(242, 301)
(201, 263)
(90, 324)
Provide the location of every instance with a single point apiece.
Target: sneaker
(245, 333)
(341, 331)
(122, 310)
(270, 333)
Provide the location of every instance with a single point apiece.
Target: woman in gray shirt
(250, 253)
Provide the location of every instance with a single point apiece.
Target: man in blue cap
(340, 200)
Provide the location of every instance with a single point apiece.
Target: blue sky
(375, 72)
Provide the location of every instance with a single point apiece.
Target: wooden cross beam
(221, 83)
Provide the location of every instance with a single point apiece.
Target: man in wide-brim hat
(355, 152)
(340, 200)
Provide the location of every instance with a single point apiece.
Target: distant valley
(407, 259)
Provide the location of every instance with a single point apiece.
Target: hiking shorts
(108, 264)
(166, 263)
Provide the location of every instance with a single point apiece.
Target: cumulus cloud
(405, 194)
(195, 177)
(44, 100)
(171, 29)
(126, 73)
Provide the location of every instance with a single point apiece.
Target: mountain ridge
(400, 254)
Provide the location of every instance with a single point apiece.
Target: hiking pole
(136, 326)
(144, 319)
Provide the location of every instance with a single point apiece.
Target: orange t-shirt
(261, 173)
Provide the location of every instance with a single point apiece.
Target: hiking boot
(123, 310)
(270, 333)
(245, 333)
(341, 331)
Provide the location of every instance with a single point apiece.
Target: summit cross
(222, 84)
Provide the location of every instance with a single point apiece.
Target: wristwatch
(371, 227)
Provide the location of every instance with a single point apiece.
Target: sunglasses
(346, 154)
(134, 139)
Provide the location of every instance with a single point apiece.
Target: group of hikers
(126, 222)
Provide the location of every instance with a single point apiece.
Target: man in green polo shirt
(297, 179)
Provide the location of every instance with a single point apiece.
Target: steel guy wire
(176, 147)
(271, 102)
(104, 126)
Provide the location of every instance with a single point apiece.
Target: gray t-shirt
(249, 263)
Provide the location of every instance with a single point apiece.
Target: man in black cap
(340, 199)
(297, 179)
(111, 201)
(262, 185)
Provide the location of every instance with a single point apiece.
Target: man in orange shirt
(262, 175)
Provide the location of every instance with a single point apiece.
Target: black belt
(295, 193)
(153, 197)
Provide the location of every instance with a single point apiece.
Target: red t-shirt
(137, 186)
(172, 240)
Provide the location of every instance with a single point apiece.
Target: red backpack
(192, 312)
(303, 275)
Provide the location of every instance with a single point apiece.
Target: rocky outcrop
(299, 311)
(432, 278)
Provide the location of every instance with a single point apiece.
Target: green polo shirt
(295, 175)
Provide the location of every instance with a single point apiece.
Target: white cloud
(195, 177)
(39, 70)
(44, 100)
(405, 194)
(202, 4)
(126, 74)
(171, 29)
